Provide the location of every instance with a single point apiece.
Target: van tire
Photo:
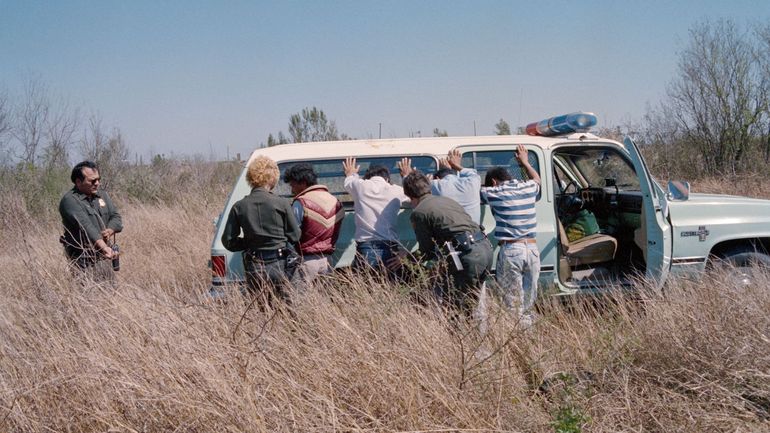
(740, 262)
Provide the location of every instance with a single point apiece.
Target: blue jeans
(518, 268)
(373, 255)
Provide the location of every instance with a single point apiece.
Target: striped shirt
(513, 206)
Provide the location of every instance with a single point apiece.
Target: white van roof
(402, 146)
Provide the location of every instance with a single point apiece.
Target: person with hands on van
(90, 219)
(270, 231)
(513, 205)
(454, 181)
(446, 234)
(376, 202)
(319, 215)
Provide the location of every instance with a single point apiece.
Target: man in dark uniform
(270, 231)
(446, 233)
(90, 219)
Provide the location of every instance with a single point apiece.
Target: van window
(331, 174)
(482, 161)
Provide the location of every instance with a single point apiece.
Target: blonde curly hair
(262, 173)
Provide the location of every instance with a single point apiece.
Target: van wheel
(744, 265)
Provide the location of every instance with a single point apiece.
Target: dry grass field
(155, 354)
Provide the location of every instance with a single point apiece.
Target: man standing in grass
(513, 206)
(320, 216)
(90, 219)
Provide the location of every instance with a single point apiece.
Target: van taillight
(218, 266)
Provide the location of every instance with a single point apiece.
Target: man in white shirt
(376, 203)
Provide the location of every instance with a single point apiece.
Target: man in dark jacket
(269, 233)
(90, 219)
(448, 235)
(320, 216)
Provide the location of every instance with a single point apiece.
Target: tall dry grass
(156, 354)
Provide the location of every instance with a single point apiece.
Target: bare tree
(5, 123)
(717, 101)
(763, 54)
(108, 151)
(60, 127)
(31, 118)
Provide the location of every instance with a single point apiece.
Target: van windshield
(331, 174)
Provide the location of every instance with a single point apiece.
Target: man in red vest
(320, 216)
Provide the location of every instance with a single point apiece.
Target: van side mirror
(678, 190)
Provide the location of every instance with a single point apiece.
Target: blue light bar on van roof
(564, 124)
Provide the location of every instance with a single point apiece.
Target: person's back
(263, 227)
(446, 233)
(458, 183)
(319, 215)
(513, 205)
(376, 203)
(453, 181)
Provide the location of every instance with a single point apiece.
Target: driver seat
(596, 248)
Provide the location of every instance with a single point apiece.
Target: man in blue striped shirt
(513, 205)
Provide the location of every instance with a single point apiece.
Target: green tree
(272, 141)
(502, 128)
(439, 133)
(311, 124)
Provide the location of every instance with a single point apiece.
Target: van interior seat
(596, 248)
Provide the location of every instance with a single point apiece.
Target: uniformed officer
(90, 219)
(270, 232)
(447, 234)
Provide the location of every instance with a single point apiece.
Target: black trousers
(461, 288)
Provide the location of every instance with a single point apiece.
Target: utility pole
(380, 129)
(474, 128)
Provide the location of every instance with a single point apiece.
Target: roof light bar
(564, 124)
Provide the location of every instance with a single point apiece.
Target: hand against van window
(521, 155)
(454, 160)
(405, 166)
(350, 167)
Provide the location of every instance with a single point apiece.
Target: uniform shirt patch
(102, 203)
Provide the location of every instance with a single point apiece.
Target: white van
(642, 229)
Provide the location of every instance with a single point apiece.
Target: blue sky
(188, 77)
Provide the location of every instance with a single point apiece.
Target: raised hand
(350, 167)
